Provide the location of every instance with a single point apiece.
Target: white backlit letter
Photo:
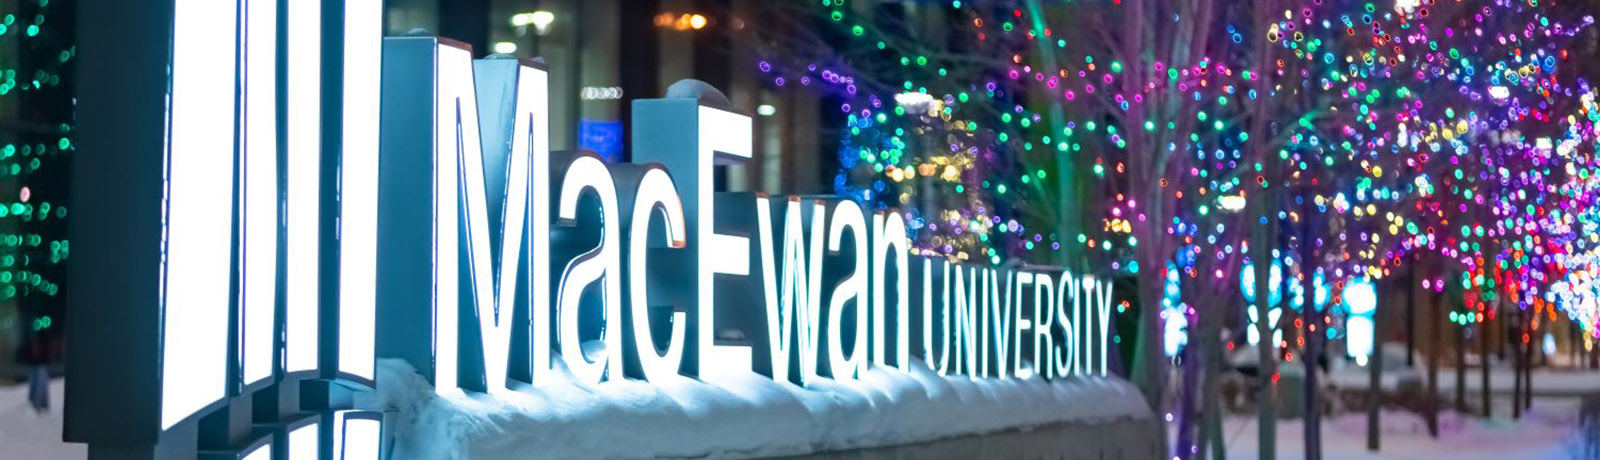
(656, 192)
(889, 236)
(601, 264)
(728, 134)
(1044, 302)
(790, 306)
(847, 217)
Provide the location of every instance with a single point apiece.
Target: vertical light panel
(304, 152)
(303, 442)
(456, 128)
(534, 84)
(927, 311)
(358, 438)
(199, 217)
(728, 134)
(258, 291)
(358, 186)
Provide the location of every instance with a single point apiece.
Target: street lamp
(541, 21)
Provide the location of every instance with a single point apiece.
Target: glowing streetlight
(541, 21)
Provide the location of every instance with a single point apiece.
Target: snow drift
(749, 416)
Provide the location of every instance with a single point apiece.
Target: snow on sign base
(753, 416)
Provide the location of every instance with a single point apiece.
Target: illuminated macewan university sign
(271, 196)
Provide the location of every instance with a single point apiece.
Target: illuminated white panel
(889, 231)
(303, 442)
(356, 438)
(260, 157)
(601, 264)
(927, 311)
(358, 186)
(847, 217)
(305, 155)
(262, 452)
(199, 214)
(456, 135)
(731, 135)
(533, 99)
(363, 439)
(657, 192)
(1044, 312)
(979, 318)
(945, 350)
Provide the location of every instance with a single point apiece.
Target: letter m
(463, 215)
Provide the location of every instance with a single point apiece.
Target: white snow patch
(749, 416)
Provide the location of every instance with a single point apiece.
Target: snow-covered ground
(1550, 431)
(25, 434)
(684, 418)
(751, 416)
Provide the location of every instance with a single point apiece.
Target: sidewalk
(25, 434)
(1550, 431)
(1546, 382)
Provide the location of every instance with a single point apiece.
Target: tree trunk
(1411, 316)
(1461, 366)
(1211, 428)
(1516, 365)
(1435, 342)
(1309, 319)
(1211, 356)
(1375, 383)
(1483, 357)
(1186, 405)
(1261, 259)
(1527, 365)
(1594, 358)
